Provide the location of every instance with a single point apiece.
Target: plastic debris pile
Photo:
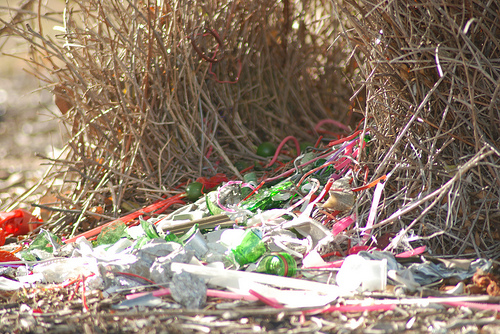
(291, 241)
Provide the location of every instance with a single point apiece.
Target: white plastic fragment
(61, 269)
(9, 285)
(197, 244)
(232, 278)
(30, 279)
(268, 217)
(307, 226)
(313, 259)
(459, 289)
(292, 298)
(232, 237)
(370, 275)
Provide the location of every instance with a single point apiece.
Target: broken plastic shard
(148, 254)
(356, 271)
(307, 226)
(9, 285)
(161, 271)
(213, 208)
(147, 300)
(238, 279)
(197, 244)
(149, 229)
(250, 249)
(57, 270)
(188, 290)
(112, 233)
(43, 246)
(270, 198)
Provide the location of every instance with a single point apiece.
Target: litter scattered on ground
(288, 242)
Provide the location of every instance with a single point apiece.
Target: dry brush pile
(155, 94)
(431, 70)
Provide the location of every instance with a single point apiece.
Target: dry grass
(154, 96)
(431, 71)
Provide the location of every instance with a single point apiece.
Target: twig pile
(432, 79)
(156, 94)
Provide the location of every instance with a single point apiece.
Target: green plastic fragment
(45, 241)
(149, 229)
(270, 198)
(213, 208)
(189, 233)
(172, 237)
(112, 233)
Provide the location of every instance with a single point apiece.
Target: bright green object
(172, 237)
(280, 264)
(149, 229)
(213, 208)
(270, 198)
(45, 241)
(194, 191)
(266, 149)
(250, 249)
(112, 233)
(192, 231)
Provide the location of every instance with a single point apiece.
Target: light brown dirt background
(28, 123)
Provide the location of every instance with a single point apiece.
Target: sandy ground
(28, 117)
(28, 127)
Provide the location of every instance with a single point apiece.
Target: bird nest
(157, 94)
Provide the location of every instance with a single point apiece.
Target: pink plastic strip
(416, 251)
(210, 293)
(268, 301)
(477, 306)
(343, 224)
(360, 308)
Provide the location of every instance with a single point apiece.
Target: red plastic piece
(17, 222)
(7, 256)
(212, 182)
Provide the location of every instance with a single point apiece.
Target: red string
(253, 191)
(135, 275)
(84, 298)
(318, 141)
(280, 146)
(314, 170)
(342, 140)
(331, 121)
